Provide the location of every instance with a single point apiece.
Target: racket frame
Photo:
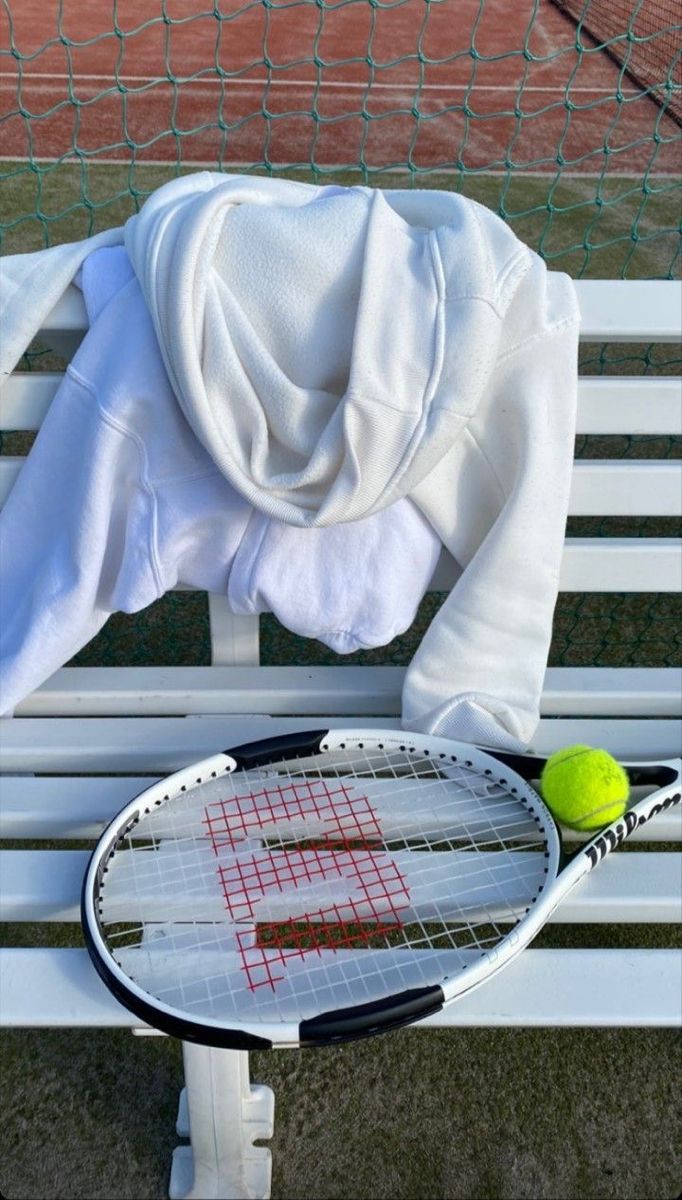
(563, 872)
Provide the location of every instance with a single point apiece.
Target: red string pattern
(373, 897)
(326, 811)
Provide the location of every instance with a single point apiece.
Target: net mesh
(561, 115)
(572, 140)
(642, 38)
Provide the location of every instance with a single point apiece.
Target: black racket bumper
(364, 1020)
(268, 750)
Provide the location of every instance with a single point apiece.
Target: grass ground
(475, 1114)
(589, 228)
(492, 1114)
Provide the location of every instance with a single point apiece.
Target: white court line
(230, 81)
(247, 165)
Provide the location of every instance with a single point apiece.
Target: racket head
(316, 888)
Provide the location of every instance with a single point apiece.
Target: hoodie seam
(465, 297)
(436, 369)
(511, 275)
(500, 278)
(143, 478)
(255, 554)
(189, 477)
(437, 358)
(439, 331)
(503, 494)
(543, 335)
(358, 396)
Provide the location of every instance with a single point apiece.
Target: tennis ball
(584, 788)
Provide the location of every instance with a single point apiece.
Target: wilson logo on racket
(613, 837)
(277, 893)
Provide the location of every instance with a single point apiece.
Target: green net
(641, 38)
(561, 115)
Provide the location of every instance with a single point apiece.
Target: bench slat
(629, 405)
(339, 690)
(46, 988)
(45, 885)
(25, 398)
(625, 488)
(69, 314)
(612, 310)
(588, 565)
(602, 565)
(621, 565)
(164, 744)
(600, 487)
(58, 807)
(606, 405)
(575, 988)
(70, 807)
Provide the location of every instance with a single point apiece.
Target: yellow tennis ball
(584, 788)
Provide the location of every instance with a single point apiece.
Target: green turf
(603, 629)
(473, 1114)
(589, 230)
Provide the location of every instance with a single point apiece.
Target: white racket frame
(562, 876)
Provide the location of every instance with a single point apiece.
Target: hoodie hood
(326, 344)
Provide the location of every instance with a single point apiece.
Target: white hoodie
(337, 349)
(118, 503)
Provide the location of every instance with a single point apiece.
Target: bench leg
(222, 1113)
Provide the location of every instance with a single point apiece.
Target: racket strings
(320, 879)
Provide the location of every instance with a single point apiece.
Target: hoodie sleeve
(74, 542)
(499, 502)
(32, 284)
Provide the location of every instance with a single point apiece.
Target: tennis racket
(316, 888)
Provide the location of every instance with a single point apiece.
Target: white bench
(140, 722)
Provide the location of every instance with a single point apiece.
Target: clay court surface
(434, 86)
